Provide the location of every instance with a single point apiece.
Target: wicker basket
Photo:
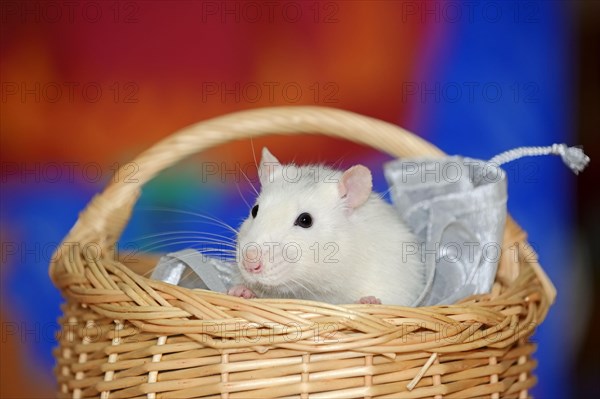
(126, 336)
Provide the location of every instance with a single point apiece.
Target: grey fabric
(191, 269)
(455, 206)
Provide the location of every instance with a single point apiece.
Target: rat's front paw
(241, 291)
(369, 300)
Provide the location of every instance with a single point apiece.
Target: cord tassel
(573, 157)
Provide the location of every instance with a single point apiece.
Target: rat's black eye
(254, 211)
(304, 220)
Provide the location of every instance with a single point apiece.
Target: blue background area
(529, 63)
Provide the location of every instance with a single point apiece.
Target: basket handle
(105, 217)
(275, 120)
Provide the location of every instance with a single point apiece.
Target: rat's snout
(252, 260)
(252, 267)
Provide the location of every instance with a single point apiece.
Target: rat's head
(296, 228)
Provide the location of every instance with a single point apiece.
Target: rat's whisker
(338, 162)
(385, 193)
(189, 272)
(208, 255)
(195, 232)
(210, 218)
(254, 157)
(224, 255)
(196, 238)
(204, 256)
(152, 247)
(171, 243)
(287, 287)
(249, 182)
(241, 195)
(298, 282)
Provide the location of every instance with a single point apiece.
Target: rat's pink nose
(252, 266)
(252, 259)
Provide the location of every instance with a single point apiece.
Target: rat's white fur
(345, 255)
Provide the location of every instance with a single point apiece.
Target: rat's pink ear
(355, 186)
(269, 165)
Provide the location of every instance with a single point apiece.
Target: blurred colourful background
(88, 85)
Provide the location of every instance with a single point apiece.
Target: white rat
(322, 234)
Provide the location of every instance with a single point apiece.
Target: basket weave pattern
(126, 336)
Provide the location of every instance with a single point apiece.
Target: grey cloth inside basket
(455, 206)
